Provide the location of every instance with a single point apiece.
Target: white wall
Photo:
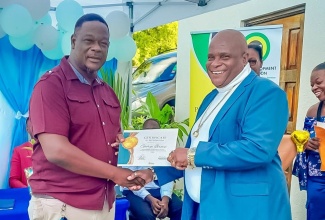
(231, 17)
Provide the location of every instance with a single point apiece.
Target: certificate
(147, 147)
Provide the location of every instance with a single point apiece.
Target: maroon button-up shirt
(89, 116)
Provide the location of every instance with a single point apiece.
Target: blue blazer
(242, 177)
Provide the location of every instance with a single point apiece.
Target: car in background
(157, 75)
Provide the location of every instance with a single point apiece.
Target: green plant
(121, 90)
(165, 116)
(179, 193)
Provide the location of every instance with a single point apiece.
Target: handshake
(133, 180)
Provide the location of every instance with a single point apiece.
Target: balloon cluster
(28, 23)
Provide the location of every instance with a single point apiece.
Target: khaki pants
(50, 209)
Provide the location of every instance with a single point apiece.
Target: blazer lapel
(206, 103)
(232, 99)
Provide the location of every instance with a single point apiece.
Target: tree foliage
(154, 41)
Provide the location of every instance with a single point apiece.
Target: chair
(287, 151)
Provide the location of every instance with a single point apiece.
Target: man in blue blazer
(230, 164)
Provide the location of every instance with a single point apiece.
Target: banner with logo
(268, 37)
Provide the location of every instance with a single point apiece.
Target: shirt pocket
(80, 108)
(113, 111)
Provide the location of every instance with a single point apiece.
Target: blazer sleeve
(167, 174)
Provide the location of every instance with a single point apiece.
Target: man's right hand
(121, 179)
(145, 174)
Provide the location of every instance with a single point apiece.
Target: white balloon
(118, 23)
(67, 13)
(126, 49)
(46, 37)
(4, 3)
(23, 43)
(55, 53)
(16, 20)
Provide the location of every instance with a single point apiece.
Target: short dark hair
(89, 17)
(258, 49)
(150, 124)
(320, 66)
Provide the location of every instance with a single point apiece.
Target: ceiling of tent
(145, 14)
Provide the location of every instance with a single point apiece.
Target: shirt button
(108, 143)
(97, 106)
(109, 162)
(103, 123)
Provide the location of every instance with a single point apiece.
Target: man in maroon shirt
(76, 120)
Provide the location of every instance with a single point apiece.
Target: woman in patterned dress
(307, 167)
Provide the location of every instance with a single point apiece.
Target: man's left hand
(178, 158)
(163, 207)
(119, 139)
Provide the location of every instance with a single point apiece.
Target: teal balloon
(126, 49)
(67, 13)
(16, 20)
(66, 43)
(23, 43)
(2, 33)
(44, 20)
(112, 50)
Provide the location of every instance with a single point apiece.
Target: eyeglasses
(252, 62)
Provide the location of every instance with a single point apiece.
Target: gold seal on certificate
(149, 147)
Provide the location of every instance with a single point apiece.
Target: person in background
(255, 57)
(230, 163)
(76, 123)
(21, 160)
(152, 201)
(313, 180)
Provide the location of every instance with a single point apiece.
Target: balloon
(23, 43)
(113, 47)
(126, 49)
(2, 33)
(46, 19)
(16, 20)
(66, 43)
(118, 23)
(46, 37)
(55, 53)
(36, 8)
(67, 13)
(4, 3)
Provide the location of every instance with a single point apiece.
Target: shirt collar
(83, 79)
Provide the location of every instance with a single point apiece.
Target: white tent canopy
(145, 14)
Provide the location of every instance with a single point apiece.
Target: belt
(43, 196)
